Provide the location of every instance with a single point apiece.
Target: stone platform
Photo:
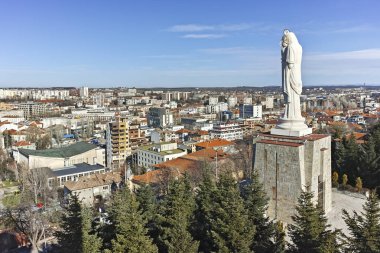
(287, 165)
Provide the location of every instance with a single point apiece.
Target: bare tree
(27, 221)
(34, 182)
(243, 158)
(37, 182)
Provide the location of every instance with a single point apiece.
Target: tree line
(213, 216)
(358, 160)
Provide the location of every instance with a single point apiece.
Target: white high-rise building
(247, 100)
(232, 101)
(213, 100)
(83, 91)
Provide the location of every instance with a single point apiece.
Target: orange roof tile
(358, 136)
(178, 166)
(182, 131)
(22, 143)
(214, 143)
(202, 132)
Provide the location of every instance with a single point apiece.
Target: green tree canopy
(310, 231)
(365, 227)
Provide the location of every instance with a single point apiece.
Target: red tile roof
(214, 143)
(22, 143)
(178, 166)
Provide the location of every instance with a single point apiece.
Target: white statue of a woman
(292, 122)
(291, 53)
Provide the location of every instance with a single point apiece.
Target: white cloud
(203, 36)
(365, 54)
(228, 50)
(190, 28)
(218, 27)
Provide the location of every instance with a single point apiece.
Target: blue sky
(184, 43)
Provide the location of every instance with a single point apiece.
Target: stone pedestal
(287, 165)
(294, 127)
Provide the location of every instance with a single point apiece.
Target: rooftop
(164, 152)
(178, 166)
(93, 180)
(72, 150)
(76, 168)
(214, 143)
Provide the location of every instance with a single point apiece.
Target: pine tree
(310, 231)
(338, 156)
(129, 225)
(351, 158)
(205, 201)
(147, 200)
(279, 242)
(69, 236)
(368, 155)
(229, 229)
(369, 162)
(91, 243)
(176, 215)
(256, 201)
(365, 228)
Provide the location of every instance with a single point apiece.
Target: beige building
(95, 186)
(118, 142)
(80, 152)
(287, 165)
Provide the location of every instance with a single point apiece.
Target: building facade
(80, 152)
(250, 111)
(147, 156)
(83, 92)
(227, 131)
(118, 143)
(160, 117)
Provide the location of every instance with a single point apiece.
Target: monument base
(288, 165)
(291, 132)
(291, 127)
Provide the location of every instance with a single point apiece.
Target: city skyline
(174, 44)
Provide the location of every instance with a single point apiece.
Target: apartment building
(83, 92)
(147, 156)
(118, 142)
(32, 109)
(250, 111)
(227, 131)
(160, 117)
(136, 136)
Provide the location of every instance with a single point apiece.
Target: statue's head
(289, 38)
(285, 40)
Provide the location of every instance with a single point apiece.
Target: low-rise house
(93, 187)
